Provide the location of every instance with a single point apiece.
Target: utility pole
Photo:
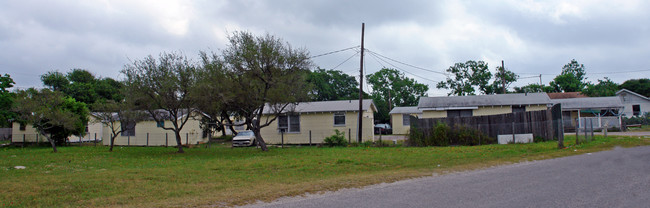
(541, 88)
(390, 105)
(360, 127)
(503, 76)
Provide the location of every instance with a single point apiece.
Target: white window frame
(338, 114)
(289, 124)
(406, 117)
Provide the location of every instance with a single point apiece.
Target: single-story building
(27, 133)
(634, 103)
(400, 118)
(314, 121)
(150, 133)
(482, 105)
(600, 111)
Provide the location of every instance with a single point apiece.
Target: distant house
(634, 103)
(399, 118)
(482, 105)
(151, 133)
(600, 111)
(27, 133)
(314, 121)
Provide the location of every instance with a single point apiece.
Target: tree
(571, 79)
(214, 94)
(6, 100)
(530, 88)
(82, 85)
(115, 115)
(604, 88)
(164, 89)
(52, 114)
(467, 77)
(641, 86)
(500, 77)
(55, 80)
(268, 78)
(402, 91)
(332, 85)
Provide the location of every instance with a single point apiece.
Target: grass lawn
(90, 176)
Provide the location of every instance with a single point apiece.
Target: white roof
(405, 110)
(457, 102)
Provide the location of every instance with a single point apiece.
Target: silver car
(244, 139)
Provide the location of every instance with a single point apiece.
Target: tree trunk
(179, 141)
(259, 140)
(49, 138)
(112, 142)
(223, 130)
(560, 142)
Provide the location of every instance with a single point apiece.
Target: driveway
(616, 178)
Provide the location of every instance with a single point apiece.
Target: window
(339, 119)
(636, 110)
(160, 124)
(128, 129)
(406, 119)
(22, 127)
(290, 123)
(459, 113)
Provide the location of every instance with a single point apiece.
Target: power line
(417, 67)
(374, 54)
(620, 72)
(346, 60)
(332, 52)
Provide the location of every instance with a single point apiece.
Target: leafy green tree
(55, 80)
(403, 91)
(6, 100)
(500, 77)
(572, 78)
(604, 88)
(52, 114)
(163, 88)
(82, 85)
(268, 77)
(641, 86)
(214, 94)
(332, 85)
(466, 78)
(530, 88)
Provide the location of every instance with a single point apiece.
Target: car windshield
(386, 126)
(245, 133)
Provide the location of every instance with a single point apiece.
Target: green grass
(90, 176)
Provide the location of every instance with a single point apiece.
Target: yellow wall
(30, 134)
(191, 133)
(434, 114)
(491, 110)
(536, 107)
(321, 125)
(398, 124)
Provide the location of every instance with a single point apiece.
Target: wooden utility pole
(503, 76)
(360, 127)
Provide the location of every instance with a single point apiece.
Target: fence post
(95, 139)
(128, 140)
(166, 140)
(23, 140)
(513, 133)
(585, 129)
(605, 130)
(310, 138)
(147, 139)
(282, 141)
(479, 138)
(187, 139)
(349, 135)
(591, 126)
(577, 131)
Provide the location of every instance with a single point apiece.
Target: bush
(225, 138)
(338, 139)
(643, 119)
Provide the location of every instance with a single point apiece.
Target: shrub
(338, 139)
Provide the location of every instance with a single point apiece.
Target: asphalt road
(617, 178)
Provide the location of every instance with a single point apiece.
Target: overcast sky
(611, 38)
